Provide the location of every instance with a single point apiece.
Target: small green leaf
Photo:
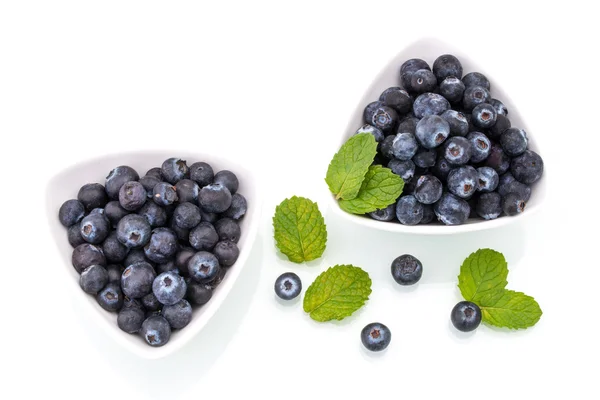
(510, 309)
(337, 293)
(380, 188)
(483, 272)
(350, 164)
(300, 231)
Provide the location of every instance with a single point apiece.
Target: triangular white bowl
(66, 184)
(429, 49)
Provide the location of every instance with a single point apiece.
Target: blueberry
(428, 214)
(386, 147)
(484, 116)
(187, 191)
(169, 288)
(422, 81)
(514, 141)
(218, 279)
(162, 245)
(178, 315)
(432, 131)
(227, 179)
(497, 160)
(204, 236)
(182, 257)
(166, 266)
(156, 172)
(150, 302)
(117, 178)
(409, 67)
(132, 196)
(428, 189)
(148, 182)
(451, 210)
(74, 236)
(466, 316)
(376, 132)
(481, 146)
(459, 126)
(441, 169)
(397, 98)
(408, 124)
(198, 293)
(133, 231)
(425, 158)
(203, 267)
(227, 252)
(86, 255)
(110, 297)
(430, 104)
(137, 279)
(174, 169)
(408, 210)
(508, 184)
(473, 96)
(288, 286)
(136, 256)
(214, 198)
(487, 179)
(187, 215)
(385, 214)
(156, 331)
(71, 212)
(164, 194)
(93, 279)
(489, 205)
(130, 319)
(114, 272)
(499, 107)
(154, 214)
(404, 169)
(228, 229)
(476, 79)
(238, 207)
(501, 125)
(407, 270)
(210, 216)
(375, 336)
(458, 150)
(463, 181)
(202, 173)
(182, 234)
(92, 195)
(114, 251)
(452, 89)
(513, 204)
(380, 116)
(114, 212)
(404, 146)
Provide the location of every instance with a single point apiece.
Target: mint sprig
(380, 188)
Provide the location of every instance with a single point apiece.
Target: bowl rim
(185, 335)
(432, 229)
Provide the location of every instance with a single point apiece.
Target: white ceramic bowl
(66, 184)
(429, 49)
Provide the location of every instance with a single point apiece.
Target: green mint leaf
(483, 273)
(350, 164)
(337, 293)
(380, 188)
(510, 309)
(300, 231)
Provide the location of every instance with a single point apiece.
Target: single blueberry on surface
(458, 150)
(508, 184)
(156, 331)
(93, 279)
(428, 189)
(238, 207)
(476, 79)
(164, 194)
(178, 315)
(214, 198)
(452, 89)
(114, 272)
(385, 214)
(204, 236)
(408, 210)
(150, 302)
(375, 336)
(466, 316)
(488, 179)
(528, 167)
(228, 229)
(501, 125)
(481, 146)
(463, 181)
(288, 286)
(397, 98)
(174, 169)
(473, 96)
(85, 255)
(110, 297)
(227, 252)
(484, 116)
(162, 245)
(169, 288)
(498, 160)
(407, 270)
(430, 104)
(187, 191)
(133, 231)
(202, 173)
(513, 204)
(489, 205)
(227, 179)
(114, 251)
(404, 146)
(203, 267)
(71, 212)
(446, 66)
(117, 178)
(404, 169)
(514, 141)
(132, 196)
(422, 81)
(458, 123)
(130, 319)
(376, 132)
(74, 236)
(137, 279)
(499, 107)
(432, 131)
(451, 210)
(198, 293)
(114, 212)
(92, 195)
(154, 214)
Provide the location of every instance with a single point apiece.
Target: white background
(273, 86)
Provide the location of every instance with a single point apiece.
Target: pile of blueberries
(151, 248)
(452, 144)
